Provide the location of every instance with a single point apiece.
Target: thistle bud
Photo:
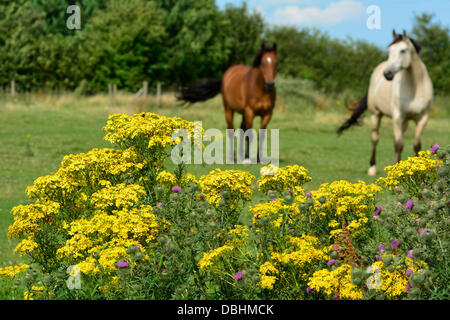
(414, 293)
(402, 198)
(387, 261)
(409, 232)
(132, 250)
(226, 195)
(159, 190)
(417, 279)
(139, 256)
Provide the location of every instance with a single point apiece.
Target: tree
(196, 41)
(123, 44)
(332, 64)
(435, 42)
(244, 30)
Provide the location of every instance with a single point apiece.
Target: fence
(112, 92)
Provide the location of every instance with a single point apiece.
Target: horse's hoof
(247, 161)
(372, 171)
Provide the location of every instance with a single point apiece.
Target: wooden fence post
(110, 93)
(158, 93)
(114, 94)
(145, 87)
(13, 87)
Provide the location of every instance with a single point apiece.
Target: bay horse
(400, 88)
(247, 90)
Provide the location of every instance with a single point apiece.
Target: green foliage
(419, 223)
(181, 41)
(244, 31)
(330, 63)
(122, 44)
(435, 41)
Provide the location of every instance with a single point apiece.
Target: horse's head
(401, 52)
(266, 61)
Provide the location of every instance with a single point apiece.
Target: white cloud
(335, 13)
(284, 2)
(260, 10)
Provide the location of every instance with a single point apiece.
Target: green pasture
(37, 130)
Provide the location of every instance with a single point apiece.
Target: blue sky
(348, 18)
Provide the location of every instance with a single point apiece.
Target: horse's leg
(264, 122)
(249, 115)
(229, 119)
(400, 126)
(242, 139)
(375, 120)
(421, 123)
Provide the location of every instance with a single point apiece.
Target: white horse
(401, 89)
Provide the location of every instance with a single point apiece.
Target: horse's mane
(261, 52)
(400, 38)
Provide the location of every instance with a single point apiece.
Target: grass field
(37, 130)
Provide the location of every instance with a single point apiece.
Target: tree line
(177, 42)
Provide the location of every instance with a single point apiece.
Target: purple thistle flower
(308, 194)
(202, 197)
(336, 248)
(122, 264)
(309, 289)
(377, 210)
(422, 232)
(408, 272)
(176, 189)
(159, 204)
(238, 276)
(332, 261)
(382, 248)
(291, 192)
(410, 254)
(394, 244)
(434, 148)
(274, 199)
(335, 297)
(378, 258)
(409, 204)
(408, 287)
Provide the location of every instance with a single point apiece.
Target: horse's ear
(394, 34)
(275, 47)
(259, 54)
(404, 35)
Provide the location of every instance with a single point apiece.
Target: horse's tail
(201, 91)
(355, 116)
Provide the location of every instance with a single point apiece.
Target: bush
(114, 224)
